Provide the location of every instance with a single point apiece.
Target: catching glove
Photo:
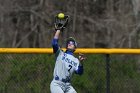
(61, 23)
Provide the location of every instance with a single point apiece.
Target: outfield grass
(32, 73)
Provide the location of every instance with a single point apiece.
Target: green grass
(32, 73)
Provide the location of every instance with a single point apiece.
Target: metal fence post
(107, 73)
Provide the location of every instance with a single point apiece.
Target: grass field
(32, 73)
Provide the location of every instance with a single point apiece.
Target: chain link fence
(32, 73)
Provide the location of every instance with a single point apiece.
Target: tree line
(99, 23)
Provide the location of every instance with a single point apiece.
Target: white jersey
(65, 65)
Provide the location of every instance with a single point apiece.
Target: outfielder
(66, 64)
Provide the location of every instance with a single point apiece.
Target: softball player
(66, 64)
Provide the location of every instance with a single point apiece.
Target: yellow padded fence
(78, 50)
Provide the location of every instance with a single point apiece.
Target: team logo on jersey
(65, 54)
(66, 59)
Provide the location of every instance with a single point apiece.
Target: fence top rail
(78, 50)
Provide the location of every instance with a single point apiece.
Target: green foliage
(32, 73)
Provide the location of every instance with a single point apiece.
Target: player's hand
(82, 57)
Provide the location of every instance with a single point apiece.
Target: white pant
(61, 87)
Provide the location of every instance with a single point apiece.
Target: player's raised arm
(55, 41)
(60, 24)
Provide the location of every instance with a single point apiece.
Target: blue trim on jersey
(80, 70)
(56, 77)
(63, 80)
(69, 52)
(55, 45)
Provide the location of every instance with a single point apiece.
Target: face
(71, 45)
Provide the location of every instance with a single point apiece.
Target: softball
(61, 15)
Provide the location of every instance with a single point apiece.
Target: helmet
(73, 40)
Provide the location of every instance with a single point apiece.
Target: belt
(67, 80)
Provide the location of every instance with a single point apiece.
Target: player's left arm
(80, 69)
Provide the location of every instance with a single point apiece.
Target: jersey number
(69, 67)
